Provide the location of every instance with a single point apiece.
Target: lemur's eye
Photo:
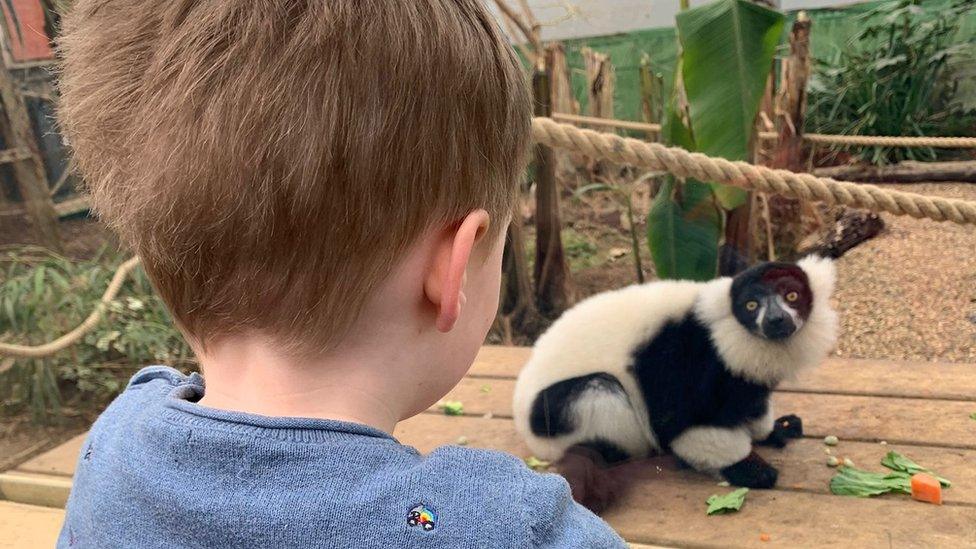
(752, 306)
(792, 296)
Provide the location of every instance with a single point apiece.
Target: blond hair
(270, 159)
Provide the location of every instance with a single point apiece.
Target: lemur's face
(772, 300)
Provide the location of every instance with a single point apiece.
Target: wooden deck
(919, 409)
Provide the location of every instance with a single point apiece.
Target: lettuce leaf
(854, 482)
(898, 462)
(727, 503)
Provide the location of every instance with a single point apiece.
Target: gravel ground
(910, 294)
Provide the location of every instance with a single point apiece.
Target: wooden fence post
(787, 214)
(551, 271)
(29, 170)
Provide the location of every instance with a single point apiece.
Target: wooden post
(563, 101)
(652, 96)
(600, 83)
(787, 214)
(29, 172)
(551, 271)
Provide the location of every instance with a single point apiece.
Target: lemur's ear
(822, 274)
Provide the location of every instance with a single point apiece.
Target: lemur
(679, 366)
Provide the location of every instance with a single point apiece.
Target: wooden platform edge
(31, 489)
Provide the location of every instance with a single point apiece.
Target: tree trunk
(905, 172)
(851, 228)
(29, 173)
(551, 271)
(563, 101)
(787, 215)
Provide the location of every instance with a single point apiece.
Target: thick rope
(645, 155)
(862, 140)
(747, 176)
(74, 336)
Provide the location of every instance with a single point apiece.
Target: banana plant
(726, 53)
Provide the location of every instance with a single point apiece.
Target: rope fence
(654, 156)
(818, 138)
(804, 186)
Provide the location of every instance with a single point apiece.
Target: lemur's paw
(751, 472)
(790, 426)
(784, 429)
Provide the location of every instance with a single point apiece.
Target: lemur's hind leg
(727, 451)
(775, 433)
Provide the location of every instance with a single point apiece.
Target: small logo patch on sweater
(423, 516)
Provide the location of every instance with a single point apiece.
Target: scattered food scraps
(883, 443)
(462, 441)
(488, 415)
(898, 462)
(537, 464)
(855, 482)
(724, 484)
(831, 440)
(764, 537)
(727, 503)
(848, 462)
(832, 461)
(452, 407)
(486, 388)
(972, 416)
(927, 488)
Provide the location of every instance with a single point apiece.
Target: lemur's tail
(595, 475)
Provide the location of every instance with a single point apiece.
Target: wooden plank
(28, 526)
(864, 418)
(802, 464)
(44, 490)
(951, 381)
(666, 505)
(664, 511)
(59, 461)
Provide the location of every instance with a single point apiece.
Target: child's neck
(245, 374)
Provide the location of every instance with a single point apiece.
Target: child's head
(274, 161)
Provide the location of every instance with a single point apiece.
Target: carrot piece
(764, 537)
(926, 487)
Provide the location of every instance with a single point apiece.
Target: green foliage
(727, 51)
(43, 296)
(897, 77)
(683, 230)
(854, 482)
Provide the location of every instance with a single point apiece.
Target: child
(319, 191)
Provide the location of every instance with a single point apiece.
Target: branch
(524, 28)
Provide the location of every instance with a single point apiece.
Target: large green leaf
(728, 49)
(683, 230)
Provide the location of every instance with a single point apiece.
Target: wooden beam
(14, 155)
(606, 122)
(904, 172)
(29, 172)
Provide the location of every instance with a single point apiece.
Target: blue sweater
(158, 470)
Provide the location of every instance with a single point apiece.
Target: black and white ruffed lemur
(685, 367)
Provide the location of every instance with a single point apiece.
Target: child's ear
(444, 285)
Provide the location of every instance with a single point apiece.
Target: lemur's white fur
(712, 448)
(601, 333)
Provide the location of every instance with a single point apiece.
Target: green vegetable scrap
(728, 503)
(486, 388)
(898, 462)
(452, 407)
(972, 416)
(537, 464)
(855, 482)
(850, 481)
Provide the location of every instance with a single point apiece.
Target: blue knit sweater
(158, 470)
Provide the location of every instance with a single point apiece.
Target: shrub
(43, 296)
(898, 77)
